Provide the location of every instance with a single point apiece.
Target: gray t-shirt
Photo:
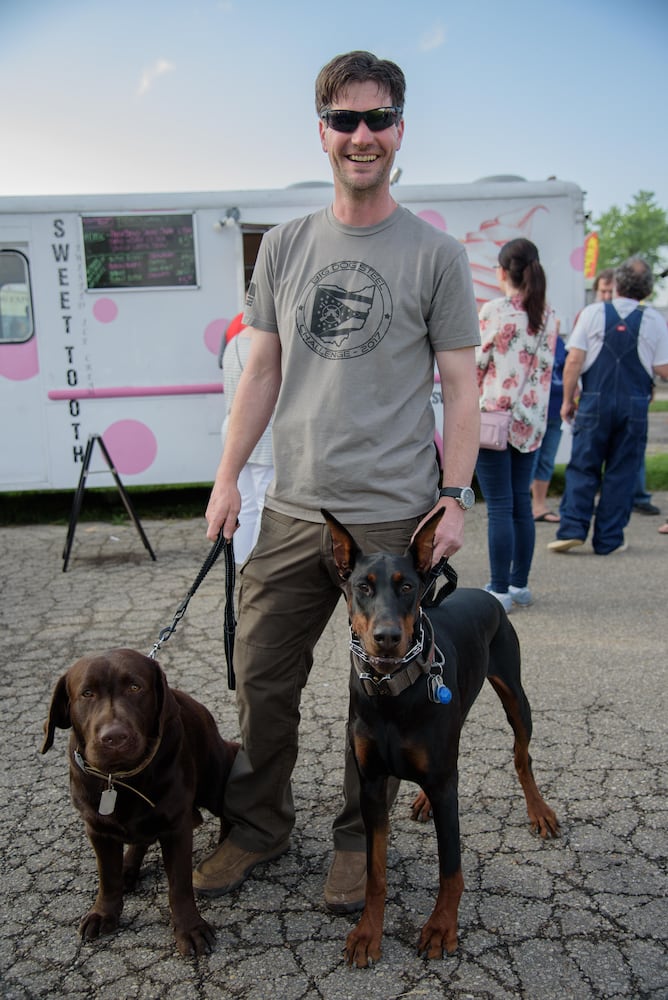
(359, 312)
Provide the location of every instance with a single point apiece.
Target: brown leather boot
(346, 882)
(229, 866)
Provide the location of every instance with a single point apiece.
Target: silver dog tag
(107, 802)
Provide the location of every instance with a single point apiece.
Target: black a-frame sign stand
(78, 498)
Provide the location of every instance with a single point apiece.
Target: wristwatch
(464, 495)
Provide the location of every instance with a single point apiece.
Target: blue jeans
(543, 466)
(504, 478)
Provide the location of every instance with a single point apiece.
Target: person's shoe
(646, 508)
(503, 599)
(564, 544)
(521, 596)
(229, 866)
(346, 882)
(620, 548)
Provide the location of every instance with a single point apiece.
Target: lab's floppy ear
(166, 703)
(59, 713)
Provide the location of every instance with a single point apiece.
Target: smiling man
(361, 140)
(349, 308)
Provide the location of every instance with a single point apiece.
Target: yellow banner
(591, 255)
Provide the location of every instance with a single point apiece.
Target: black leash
(431, 599)
(229, 625)
(229, 620)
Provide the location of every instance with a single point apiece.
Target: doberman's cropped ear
(344, 547)
(59, 713)
(422, 545)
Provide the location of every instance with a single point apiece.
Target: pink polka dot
(19, 362)
(434, 218)
(132, 446)
(214, 334)
(578, 259)
(105, 310)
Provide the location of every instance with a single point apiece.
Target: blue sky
(167, 95)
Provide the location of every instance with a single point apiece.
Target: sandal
(663, 530)
(548, 516)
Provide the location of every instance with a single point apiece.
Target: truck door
(24, 462)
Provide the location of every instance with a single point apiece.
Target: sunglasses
(375, 120)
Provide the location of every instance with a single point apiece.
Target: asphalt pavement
(580, 917)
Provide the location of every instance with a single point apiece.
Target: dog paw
(436, 942)
(95, 924)
(197, 940)
(362, 951)
(544, 821)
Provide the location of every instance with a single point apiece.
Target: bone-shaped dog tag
(107, 801)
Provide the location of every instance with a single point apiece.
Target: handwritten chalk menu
(139, 251)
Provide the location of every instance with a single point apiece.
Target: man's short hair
(634, 279)
(358, 67)
(606, 275)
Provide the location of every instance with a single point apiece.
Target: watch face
(467, 498)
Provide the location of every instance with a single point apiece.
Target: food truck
(113, 309)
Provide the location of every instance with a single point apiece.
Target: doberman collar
(423, 658)
(108, 798)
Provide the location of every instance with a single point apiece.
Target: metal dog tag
(107, 801)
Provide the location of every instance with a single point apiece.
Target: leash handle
(442, 568)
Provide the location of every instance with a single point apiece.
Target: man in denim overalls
(614, 348)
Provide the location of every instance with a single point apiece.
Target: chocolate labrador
(144, 758)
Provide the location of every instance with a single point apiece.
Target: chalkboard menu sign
(139, 251)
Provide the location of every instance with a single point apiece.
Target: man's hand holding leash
(223, 510)
(449, 536)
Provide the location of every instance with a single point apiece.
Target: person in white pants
(258, 472)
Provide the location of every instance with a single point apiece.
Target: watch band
(464, 495)
(451, 491)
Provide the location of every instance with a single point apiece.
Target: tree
(642, 228)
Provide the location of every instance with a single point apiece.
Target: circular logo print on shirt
(344, 311)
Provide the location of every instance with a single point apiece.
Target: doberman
(415, 674)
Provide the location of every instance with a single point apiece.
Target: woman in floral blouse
(518, 334)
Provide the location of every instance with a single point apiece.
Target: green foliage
(641, 228)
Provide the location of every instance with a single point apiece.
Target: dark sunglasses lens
(343, 121)
(376, 120)
(379, 119)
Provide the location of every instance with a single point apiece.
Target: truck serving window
(139, 251)
(15, 306)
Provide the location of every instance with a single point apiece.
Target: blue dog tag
(439, 693)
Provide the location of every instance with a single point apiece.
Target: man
(349, 308)
(615, 347)
(604, 285)
(642, 500)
